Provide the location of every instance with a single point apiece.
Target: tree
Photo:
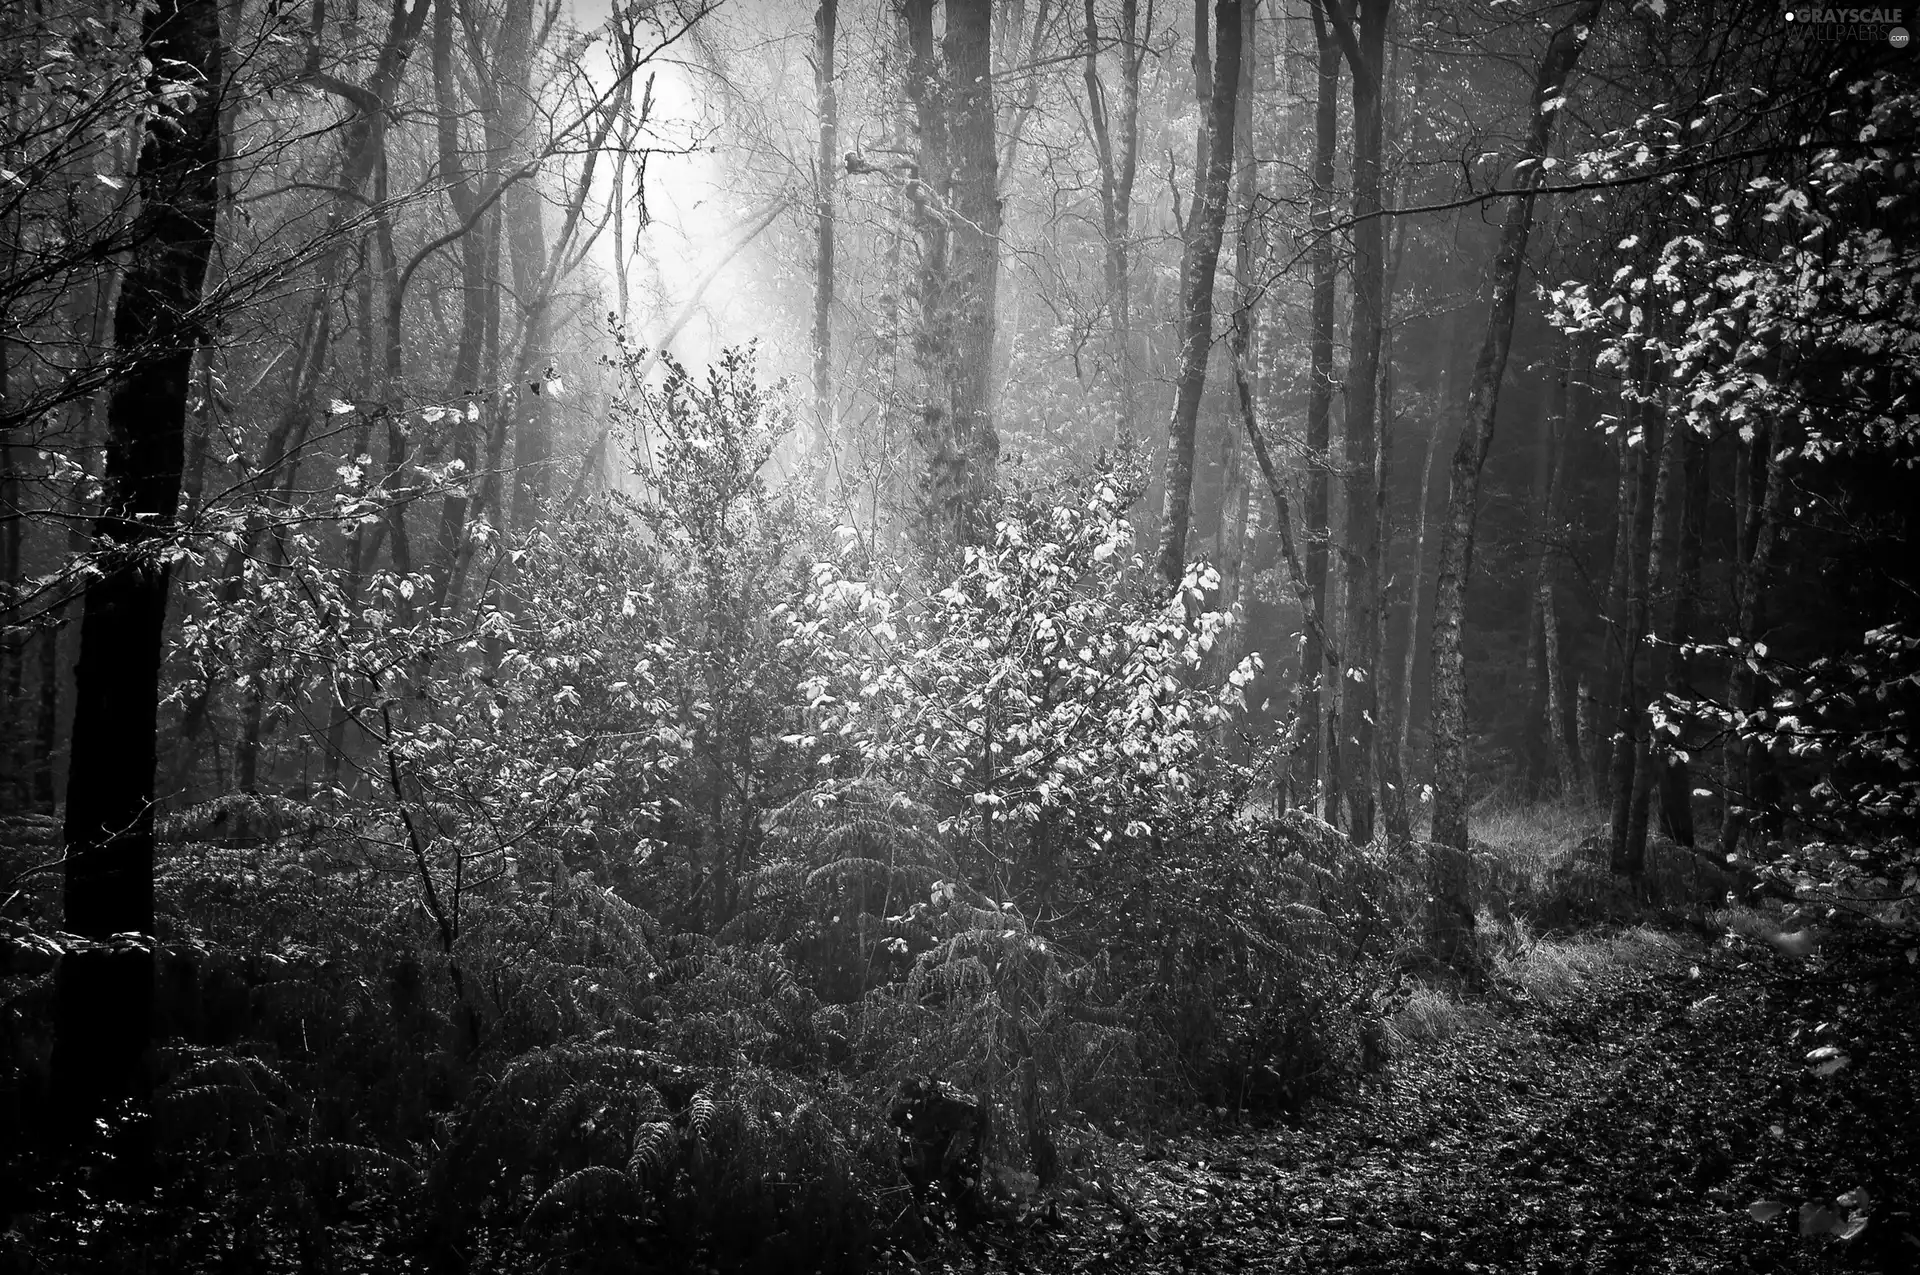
(1116, 141)
(1320, 771)
(826, 167)
(1217, 84)
(105, 993)
(1363, 40)
(1452, 916)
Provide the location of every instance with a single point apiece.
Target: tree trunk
(1230, 545)
(1206, 223)
(1547, 669)
(1668, 486)
(1451, 918)
(827, 168)
(1116, 143)
(104, 997)
(1741, 764)
(1676, 779)
(1537, 757)
(962, 473)
(509, 128)
(1363, 40)
(1606, 708)
(1631, 759)
(1416, 593)
(1317, 769)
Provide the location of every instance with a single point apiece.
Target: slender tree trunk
(1668, 487)
(1206, 223)
(1676, 779)
(1538, 759)
(509, 130)
(1230, 545)
(1631, 758)
(1416, 594)
(1393, 794)
(1363, 40)
(339, 684)
(1742, 764)
(827, 168)
(104, 997)
(1619, 576)
(1551, 692)
(1452, 913)
(1116, 141)
(1318, 771)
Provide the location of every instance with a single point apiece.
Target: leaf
(1765, 1210)
(1817, 1219)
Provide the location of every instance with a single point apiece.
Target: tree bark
(104, 997)
(510, 125)
(1630, 756)
(1549, 674)
(965, 446)
(1206, 224)
(1451, 918)
(1741, 764)
(1676, 778)
(1116, 143)
(1318, 769)
(1230, 544)
(826, 169)
(1363, 40)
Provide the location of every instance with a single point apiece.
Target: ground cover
(1633, 1102)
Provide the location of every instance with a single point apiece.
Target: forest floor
(1639, 1102)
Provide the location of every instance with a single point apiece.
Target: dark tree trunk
(1317, 770)
(1549, 675)
(1452, 913)
(1230, 544)
(104, 997)
(1606, 707)
(1206, 223)
(1676, 778)
(1647, 758)
(964, 445)
(1742, 765)
(1363, 40)
(1631, 758)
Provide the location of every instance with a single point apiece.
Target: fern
(599, 1186)
(655, 1145)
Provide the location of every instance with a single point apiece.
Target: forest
(1034, 635)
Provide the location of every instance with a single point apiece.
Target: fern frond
(352, 1158)
(654, 1147)
(597, 1184)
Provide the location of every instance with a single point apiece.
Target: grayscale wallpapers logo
(1817, 22)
